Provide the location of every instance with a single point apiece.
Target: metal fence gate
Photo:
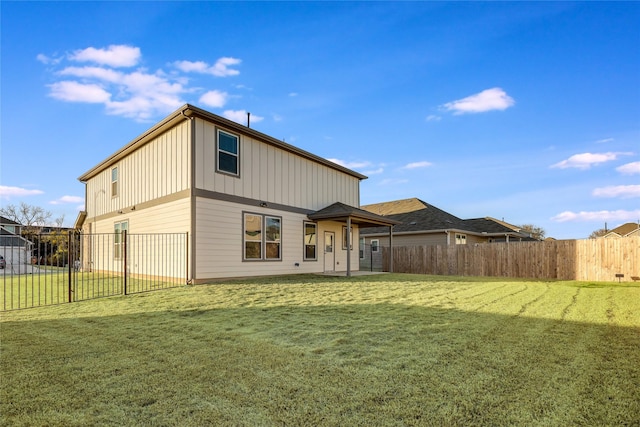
(61, 268)
(370, 257)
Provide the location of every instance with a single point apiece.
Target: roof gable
(624, 230)
(415, 216)
(187, 112)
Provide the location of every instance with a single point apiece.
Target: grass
(51, 286)
(385, 350)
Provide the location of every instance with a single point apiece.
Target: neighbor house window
(461, 239)
(361, 248)
(262, 237)
(114, 182)
(118, 239)
(375, 244)
(310, 241)
(228, 152)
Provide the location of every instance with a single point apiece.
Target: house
(625, 230)
(250, 204)
(15, 249)
(425, 224)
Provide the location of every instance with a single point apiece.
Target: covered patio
(350, 215)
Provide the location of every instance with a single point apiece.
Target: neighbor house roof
(188, 111)
(417, 216)
(7, 221)
(624, 230)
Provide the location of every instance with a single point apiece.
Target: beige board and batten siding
(271, 174)
(157, 169)
(219, 243)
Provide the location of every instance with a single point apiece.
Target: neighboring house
(8, 226)
(625, 230)
(15, 249)
(250, 204)
(424, 224)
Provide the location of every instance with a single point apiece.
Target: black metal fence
(370, 257)
(67, 267)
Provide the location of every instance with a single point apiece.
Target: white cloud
(219, 69)
(632, 168)
(72, 91)
(214, 98)
(619, 215)
(138, 93)
(417, 165)
(67, 199)
(622, 191)
(351, 165)
(373, 171)
(604, 141)
(487, 100)
(7, 191)
(240, 116)
(191, 66)
(586, 160)
(47, 59)
(393, 181)
(114, 55)
(293, 94)
(99, 73)
(433, 118)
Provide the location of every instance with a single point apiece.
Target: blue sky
(527, 112)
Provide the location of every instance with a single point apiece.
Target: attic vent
(412, 223)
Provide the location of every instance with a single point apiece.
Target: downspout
(348, 246)
(188, 114)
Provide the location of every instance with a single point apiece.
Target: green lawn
(383, 350)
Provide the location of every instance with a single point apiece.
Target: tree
(598, 233)
(32, 218)
(536, 232)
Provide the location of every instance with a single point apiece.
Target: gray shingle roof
(419, 216)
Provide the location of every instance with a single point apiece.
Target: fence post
(186, 258)
(69, 264)
(124, 259)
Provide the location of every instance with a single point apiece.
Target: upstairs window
(228, 153)
(114, 182)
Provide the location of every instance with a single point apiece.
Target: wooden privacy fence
(592, 259)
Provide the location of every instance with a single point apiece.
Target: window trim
(263, 238)
(304, 241)
(219, 150)
(462, 237)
